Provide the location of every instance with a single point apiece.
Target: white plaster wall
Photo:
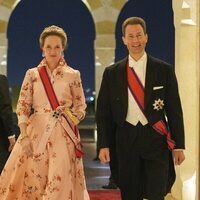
(187, 70)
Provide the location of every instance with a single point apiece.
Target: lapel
(149, 80)
(121, 75)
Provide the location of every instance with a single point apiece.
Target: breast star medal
(158, 104)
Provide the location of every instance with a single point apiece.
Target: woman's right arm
(24, 104)
(23, 111)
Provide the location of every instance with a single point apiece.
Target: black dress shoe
(111, 185)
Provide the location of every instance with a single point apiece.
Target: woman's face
(53, 49)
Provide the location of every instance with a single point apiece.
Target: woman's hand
(60, 109)
(75, 117)
(79, 115)
(27, 146)
(25, 141)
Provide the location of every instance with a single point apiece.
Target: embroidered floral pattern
(55, 169)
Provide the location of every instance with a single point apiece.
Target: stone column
(187, 70)
(105, 14)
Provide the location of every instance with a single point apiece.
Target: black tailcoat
(112, 102)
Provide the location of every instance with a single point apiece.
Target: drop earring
(43, 55)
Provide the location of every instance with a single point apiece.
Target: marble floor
(96, 174)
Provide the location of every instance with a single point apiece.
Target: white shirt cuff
(11, 136)
(178, 149)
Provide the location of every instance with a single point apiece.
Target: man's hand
(179, 156)
(104, 155)
(12, 143)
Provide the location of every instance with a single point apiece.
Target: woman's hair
(53, 31)
(133, 21)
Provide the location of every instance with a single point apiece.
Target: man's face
(135, 39)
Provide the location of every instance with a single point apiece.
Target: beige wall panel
(105, 27)
(94, 4)
(7, 3)
(3, 26)
(118, 4)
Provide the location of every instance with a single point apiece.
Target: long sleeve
(78, 97)
(104, 117)
(25, 99)
(174, 110)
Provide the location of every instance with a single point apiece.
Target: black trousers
(114, 171)
(143, 162)
(4, 154)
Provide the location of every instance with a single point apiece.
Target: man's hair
(133, 21)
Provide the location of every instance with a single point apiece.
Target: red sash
(54, 104)
(137, 90)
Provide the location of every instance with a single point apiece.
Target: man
(7, 137)
(139, 98)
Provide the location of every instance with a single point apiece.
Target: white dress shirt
(134, 114)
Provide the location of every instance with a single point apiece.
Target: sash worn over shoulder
(73, 133)
(137, 90)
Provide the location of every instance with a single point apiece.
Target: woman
(43, 164)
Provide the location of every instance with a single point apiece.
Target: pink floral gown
(55, 173)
